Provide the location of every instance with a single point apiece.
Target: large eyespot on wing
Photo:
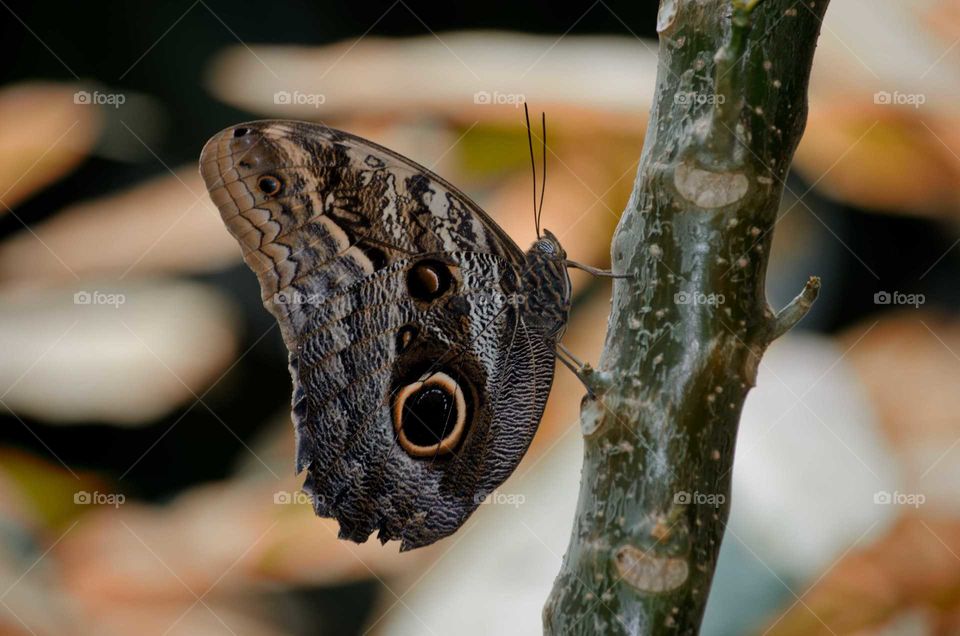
(430, 415)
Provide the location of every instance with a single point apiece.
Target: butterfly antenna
(533, 168)
(543, 184)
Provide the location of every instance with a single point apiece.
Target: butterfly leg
(572, 358)
(606, 273)
(591, 379)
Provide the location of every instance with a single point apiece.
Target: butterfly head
(549, 246)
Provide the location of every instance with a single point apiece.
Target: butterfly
(421, 338)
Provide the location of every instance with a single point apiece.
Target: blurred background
(146, 450)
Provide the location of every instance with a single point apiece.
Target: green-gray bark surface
(688, 327)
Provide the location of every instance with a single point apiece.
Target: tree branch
(687, 330)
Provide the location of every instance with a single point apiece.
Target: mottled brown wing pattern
(394, 293)
(345, 207)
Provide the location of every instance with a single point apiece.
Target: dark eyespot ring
(430, 415)
(269, 185)
(240, 132)
(428, 280)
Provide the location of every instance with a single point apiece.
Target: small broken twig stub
(687, 330)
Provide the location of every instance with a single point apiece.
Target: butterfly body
(421, 338)
(548, 285)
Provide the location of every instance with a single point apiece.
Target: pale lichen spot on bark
(591, 418)
(708, 189)
(648, 572)
(666, 15)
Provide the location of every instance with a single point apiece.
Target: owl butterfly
(422, 340)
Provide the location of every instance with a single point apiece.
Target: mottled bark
(688, 328)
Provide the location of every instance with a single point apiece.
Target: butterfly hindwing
(418, 380)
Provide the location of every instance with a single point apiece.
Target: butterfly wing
(418, 384)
